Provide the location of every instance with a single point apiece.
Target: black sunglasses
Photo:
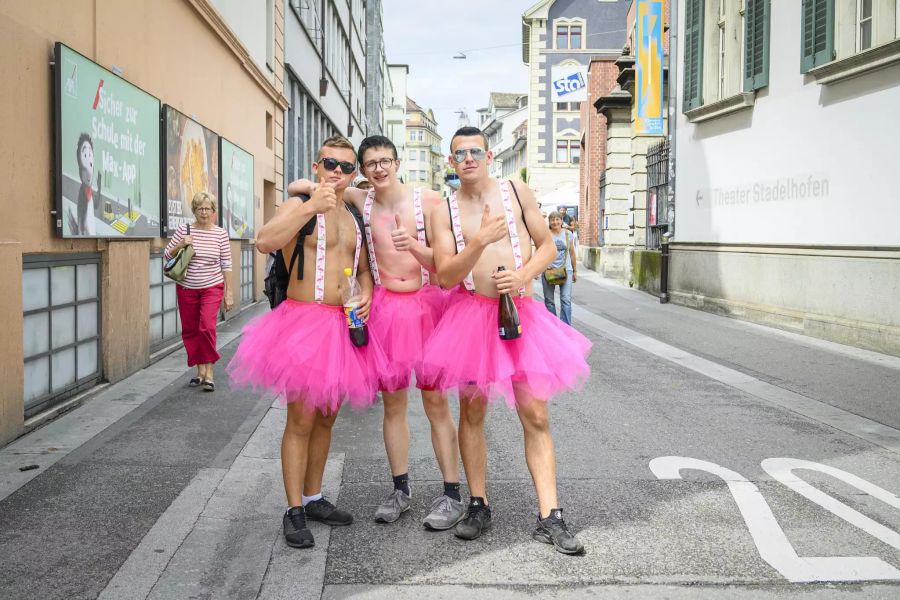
(331, 164)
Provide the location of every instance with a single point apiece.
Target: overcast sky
(425, 35)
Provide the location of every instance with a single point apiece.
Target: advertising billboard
(236, 167)
(569, 83)
(107, 152)
(191, 166)
(648, 118)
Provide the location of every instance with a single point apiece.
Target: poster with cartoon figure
(107, 152)
(192, 165)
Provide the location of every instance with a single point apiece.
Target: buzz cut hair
(470, 132)
(338, 141)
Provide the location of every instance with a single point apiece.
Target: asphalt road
(705, 458)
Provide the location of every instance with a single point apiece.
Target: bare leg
(319, 444)
(295, 449)
(539, 452)
(472, 445)
(443, 434)
(396, 431)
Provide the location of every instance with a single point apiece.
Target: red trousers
(199, 309)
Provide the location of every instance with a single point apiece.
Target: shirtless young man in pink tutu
(488, 224)
(406, 308)
(302, 349)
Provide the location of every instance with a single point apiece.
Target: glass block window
(61, 333)
(246, 274)
(165, 322)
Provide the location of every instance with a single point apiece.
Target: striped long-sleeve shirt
(212, 256)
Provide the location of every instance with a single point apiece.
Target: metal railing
(657, 192)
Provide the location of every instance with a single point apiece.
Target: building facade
(785, 205)
(326, 44)
(378, 92)
(422, 162)
(395, 108)
(90, 307)
(592, 212)
(558, 39)
(505, 123)
(629, 194)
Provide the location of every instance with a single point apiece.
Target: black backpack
(278, 273)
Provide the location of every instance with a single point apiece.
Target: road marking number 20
(770, 540)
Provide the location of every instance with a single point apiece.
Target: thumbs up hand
(493, 229)
(400, 236)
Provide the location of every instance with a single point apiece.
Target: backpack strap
(522, 210)
(420, 229)
(512, 227)
(357, 221)
(297, 254)
(456, 226)
(367, 223)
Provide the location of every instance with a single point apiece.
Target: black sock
(401, 482)
(478, 500)
(452, 490)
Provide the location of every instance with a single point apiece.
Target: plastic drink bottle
(352, 296)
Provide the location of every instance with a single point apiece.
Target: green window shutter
(817, 44)
(693, 54)
(756, 44)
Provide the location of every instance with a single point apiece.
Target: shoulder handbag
(177, 267)
(558, 275)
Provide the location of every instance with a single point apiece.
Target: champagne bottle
(352, 295)
(508, 317)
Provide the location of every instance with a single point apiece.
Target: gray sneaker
(445, 512)
(393, 506)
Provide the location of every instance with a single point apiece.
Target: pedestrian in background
(207, 281)
(565, 258)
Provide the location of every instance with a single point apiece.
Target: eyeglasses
(331, 164)
(384, 163)
(478, 154)
(204, 209)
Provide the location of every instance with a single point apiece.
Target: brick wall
(602, 74)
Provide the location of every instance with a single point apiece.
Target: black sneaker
(477, 521)
(323, 511)
(553, 530)
(296, 533)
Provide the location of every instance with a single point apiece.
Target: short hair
(201, 198)
(563, 209)
(469, 132)
(554, 215)
(338, 141)
(375, 141)
(83, 138)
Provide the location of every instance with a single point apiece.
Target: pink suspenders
(420, 232)
(320, 255)
(510, 225)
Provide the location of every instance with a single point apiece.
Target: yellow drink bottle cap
(348, 272)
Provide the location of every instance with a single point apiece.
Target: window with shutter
(693, 54)
(756, 44)
(818, 34)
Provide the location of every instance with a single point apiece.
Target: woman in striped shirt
(207, 280)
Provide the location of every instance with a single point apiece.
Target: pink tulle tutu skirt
(402, 322)
(302, 352)
(465, 352)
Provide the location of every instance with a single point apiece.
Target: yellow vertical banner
(648, 118)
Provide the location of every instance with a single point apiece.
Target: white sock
(307, 499)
